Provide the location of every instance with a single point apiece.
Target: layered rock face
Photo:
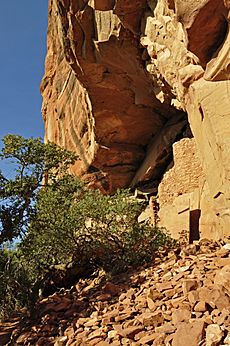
(121, 78)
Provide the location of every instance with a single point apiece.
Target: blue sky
(23, 27)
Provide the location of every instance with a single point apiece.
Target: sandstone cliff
(124, 80)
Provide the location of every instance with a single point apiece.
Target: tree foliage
(61, 223)
(33, 162)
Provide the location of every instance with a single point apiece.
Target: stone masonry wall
(185, 175)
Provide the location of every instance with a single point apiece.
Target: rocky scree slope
(184, 299)
(124, 80)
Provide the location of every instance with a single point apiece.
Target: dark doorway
(194, 218)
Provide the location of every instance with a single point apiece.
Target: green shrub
(83, 228)
(14, 283)
(62, 224)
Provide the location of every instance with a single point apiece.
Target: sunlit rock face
(190, 44)
(98, 99)
(122, 80)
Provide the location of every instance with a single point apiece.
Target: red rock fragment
(189, 334)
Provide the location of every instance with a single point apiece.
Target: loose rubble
(183, 298)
